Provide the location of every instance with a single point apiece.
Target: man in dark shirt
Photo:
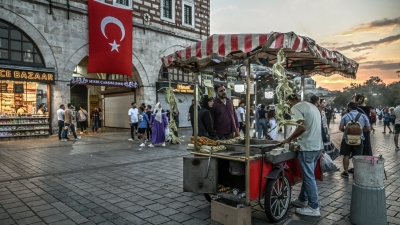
(225, 119)
(191, 116)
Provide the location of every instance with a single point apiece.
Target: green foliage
(374, 89)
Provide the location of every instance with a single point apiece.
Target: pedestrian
(225, 121)
(379, 112)
(386, 120)
(82, 119)
(133, 120)
(329, 115)
(392, 117)
(397, 127)
(345, 149)
(191, 116)
(94, 115)
(158, 122)
(68, 118)
(372, 118)
(363, 108)
(262, 126)
(272, 123)
(60, 117)
(206, 121)
(148, 113)
(310, 142)
(240, 112)
(252, 117)
(100, 118)
(142, 126)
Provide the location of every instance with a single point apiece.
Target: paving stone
(54, 218)
(76, 217)
(29, 220)
(18, 209)
(21, 215)
(158, 219)
(145, 214)
(180, 217)
(48, 212)
(168, 212)
(8, 221)
(97, 219)
(41, 207)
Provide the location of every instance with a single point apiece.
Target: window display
(19, 106)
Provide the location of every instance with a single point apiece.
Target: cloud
(224, 9)
(378, 26)
(371, 44)
(381, 65)
(359, 58)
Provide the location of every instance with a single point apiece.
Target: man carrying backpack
(352, 124)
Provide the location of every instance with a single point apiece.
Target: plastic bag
(166, 133)
(332, 151)
(326, 163)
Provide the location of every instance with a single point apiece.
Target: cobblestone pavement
(106, 179)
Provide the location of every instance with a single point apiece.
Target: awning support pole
(303, 85)
(247, 135)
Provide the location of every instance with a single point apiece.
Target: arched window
(17, 48)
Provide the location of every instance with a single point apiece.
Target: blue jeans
(95, 125)
(262, 127)
(72, 127)
(309, 190)
(60, 128)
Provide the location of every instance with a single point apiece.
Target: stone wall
(63, 42)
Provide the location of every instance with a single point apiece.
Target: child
(143, 121)
(386, 120)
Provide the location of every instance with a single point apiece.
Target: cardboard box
(230, 215)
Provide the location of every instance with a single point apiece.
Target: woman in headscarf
(206, 121)
(158, 123)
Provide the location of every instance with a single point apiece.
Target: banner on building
(97, 82)
(110, 39)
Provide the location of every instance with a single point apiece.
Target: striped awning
(302, 53)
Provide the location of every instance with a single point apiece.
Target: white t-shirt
(240, 110)
(311, 139)
(397, 114)
(133, 112)
(60, 113)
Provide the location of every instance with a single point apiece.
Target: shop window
(22, 97)
(188, 14)
(17, 48)
(175, 74)
(168, 10)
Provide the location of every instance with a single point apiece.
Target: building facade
(49, 39)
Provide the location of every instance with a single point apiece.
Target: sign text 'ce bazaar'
(183, 88)
(26, 75)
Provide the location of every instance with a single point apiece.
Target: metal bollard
(368, 199)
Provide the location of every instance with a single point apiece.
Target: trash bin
(368, 199)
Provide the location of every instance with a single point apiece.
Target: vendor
(225, 119)
(206, 121)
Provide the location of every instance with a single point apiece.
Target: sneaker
(150, 145)
(299, 203)
(351, 170)
(137, 140)
(383, 132)
(84, 131)
(163, 144)
(142, 145)
(344, 175)
(130, 139)
(390, 132)
(78, 138)
(81, 132)
(308, 211)
(397, 149)
(64, 140)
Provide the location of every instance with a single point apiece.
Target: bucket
(368, 171)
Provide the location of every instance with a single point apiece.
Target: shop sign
(97, 82)
(26, 75)
(178, 88)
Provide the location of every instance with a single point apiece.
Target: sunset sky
(367, 31)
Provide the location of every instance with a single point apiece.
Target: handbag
(332, 151)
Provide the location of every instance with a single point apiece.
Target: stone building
(49, 39)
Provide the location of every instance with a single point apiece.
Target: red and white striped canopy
(302, 53)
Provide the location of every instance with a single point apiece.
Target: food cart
(252, 169)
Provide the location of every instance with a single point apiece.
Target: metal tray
(274, 159)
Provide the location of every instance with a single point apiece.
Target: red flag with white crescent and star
(110, 39)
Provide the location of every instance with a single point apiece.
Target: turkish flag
(110, 39)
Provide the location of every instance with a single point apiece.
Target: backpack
(353, 131)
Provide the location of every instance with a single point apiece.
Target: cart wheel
(277, 198)
(210, 197)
